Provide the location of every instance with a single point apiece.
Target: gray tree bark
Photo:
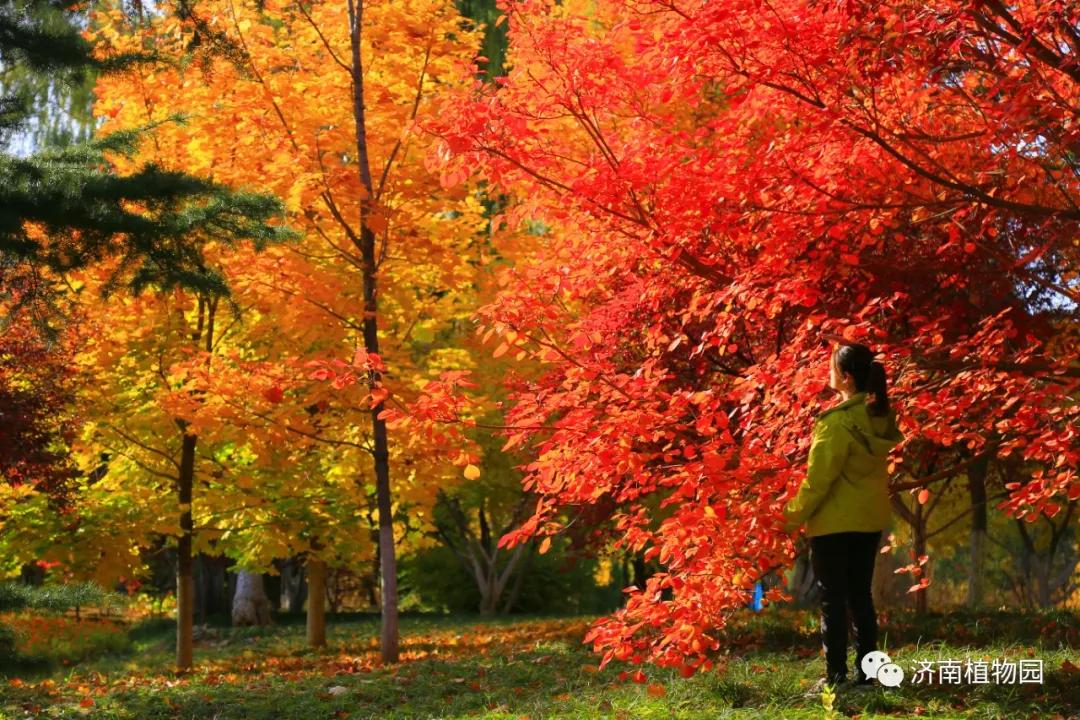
(250, 604)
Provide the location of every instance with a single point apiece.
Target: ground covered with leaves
(521, 668)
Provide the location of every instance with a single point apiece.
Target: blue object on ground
(758, 593)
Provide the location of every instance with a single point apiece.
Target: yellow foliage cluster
(283, 464)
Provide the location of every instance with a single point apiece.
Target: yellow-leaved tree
(224, 427)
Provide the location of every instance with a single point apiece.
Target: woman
(844, 502)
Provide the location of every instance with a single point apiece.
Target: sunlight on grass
(538, 668)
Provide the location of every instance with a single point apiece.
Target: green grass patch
(537, 667)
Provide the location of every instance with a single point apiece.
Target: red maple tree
(716, 192)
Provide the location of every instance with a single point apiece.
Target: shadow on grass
(538, 667)
(540, 676)
(1052, 636)
(781, 628)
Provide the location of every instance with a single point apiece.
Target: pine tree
(64, 207)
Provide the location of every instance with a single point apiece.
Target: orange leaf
(657, 690)
(378, 395)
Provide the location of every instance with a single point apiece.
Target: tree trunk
(1042, 581)
(640, 573)
(919, 530)
(293, 585)
(804, 589)
(977, 490)
(32, 574)
(185, 482)
(337, 587)
(316, 603)
(387, 559)
(184, 585)
(884, 583)
(489, 590)
(250, 604)
(376, 573)
(199, 589)
(211, 593)
(515, 591)
(479, 556)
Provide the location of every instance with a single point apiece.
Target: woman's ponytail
(876, 389)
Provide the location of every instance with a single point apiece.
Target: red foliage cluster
(37, 384)
(725, 188)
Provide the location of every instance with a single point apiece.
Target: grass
(537, 668)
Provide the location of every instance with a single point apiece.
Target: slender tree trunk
(185, 482)
(387, 559)
(250, 604)
(376, 573)
(977, 489)
(515, 591)
(804, 588)
(212, 598)
(1042, 581)
(184, 585)
(1026, 555)
(884, 583)
(640, 575)
(316, 603)
(293, 585)
(919, 531)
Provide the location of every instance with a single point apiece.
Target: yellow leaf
(472, 472)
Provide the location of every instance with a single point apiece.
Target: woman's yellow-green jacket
(847, 480)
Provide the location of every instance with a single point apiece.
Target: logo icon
(878, 665)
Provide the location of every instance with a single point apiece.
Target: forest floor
(516, 668)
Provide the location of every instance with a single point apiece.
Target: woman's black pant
(844, 567)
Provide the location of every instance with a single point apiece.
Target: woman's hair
(869, 374)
